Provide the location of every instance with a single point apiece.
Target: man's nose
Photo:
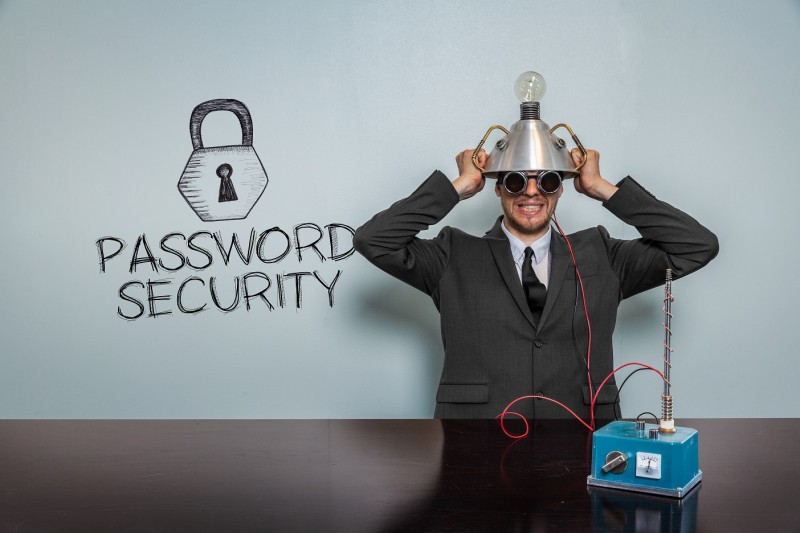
(533, 186)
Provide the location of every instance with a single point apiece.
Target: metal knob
(616, 462)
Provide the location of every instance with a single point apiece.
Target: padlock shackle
(234, 106)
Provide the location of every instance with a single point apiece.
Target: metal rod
(667, 332)
(667, 424)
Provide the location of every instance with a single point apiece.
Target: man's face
(527, 215)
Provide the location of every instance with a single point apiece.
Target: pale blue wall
(354, 103)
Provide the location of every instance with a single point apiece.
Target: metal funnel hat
(530, 145)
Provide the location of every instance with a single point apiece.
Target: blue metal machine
(636, 456)
(657, 459)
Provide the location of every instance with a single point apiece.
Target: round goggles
(548, 181)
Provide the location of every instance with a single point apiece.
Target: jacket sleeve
(670, 239)
(389, 240)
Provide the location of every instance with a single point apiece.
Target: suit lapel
(501, 250)
(560, 261)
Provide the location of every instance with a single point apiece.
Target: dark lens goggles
(548, 181)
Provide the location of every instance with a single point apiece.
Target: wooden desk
(374, 475)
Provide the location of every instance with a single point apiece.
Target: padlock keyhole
(226, 191)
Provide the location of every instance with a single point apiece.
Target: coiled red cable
(593, 395)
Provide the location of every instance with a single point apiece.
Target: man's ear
(497, 188)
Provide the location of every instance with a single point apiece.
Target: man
(498, 346)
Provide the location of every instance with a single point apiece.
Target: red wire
(592, 394)
(588, 323)
(502, 416)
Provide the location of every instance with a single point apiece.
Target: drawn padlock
(222, 182)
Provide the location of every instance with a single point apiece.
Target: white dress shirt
(541, 254)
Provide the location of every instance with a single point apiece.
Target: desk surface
(374, 475)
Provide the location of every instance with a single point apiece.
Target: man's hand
(590, 182)
(469, 181)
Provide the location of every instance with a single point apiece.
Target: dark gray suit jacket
(494, 353)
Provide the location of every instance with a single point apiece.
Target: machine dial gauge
(648, 465)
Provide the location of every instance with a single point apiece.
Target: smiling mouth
(530, 209)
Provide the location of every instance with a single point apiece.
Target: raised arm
(670, 239)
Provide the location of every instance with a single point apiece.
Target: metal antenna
(667, 424)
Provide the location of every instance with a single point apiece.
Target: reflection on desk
(614, 510)
(373, 475)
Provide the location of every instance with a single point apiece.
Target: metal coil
(668, 298)
(666, 407)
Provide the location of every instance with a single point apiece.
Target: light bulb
(530, 86)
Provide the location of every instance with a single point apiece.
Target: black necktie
(535, 291)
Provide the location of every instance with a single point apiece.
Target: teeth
(530, 208)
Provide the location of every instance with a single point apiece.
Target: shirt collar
(541, 246)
